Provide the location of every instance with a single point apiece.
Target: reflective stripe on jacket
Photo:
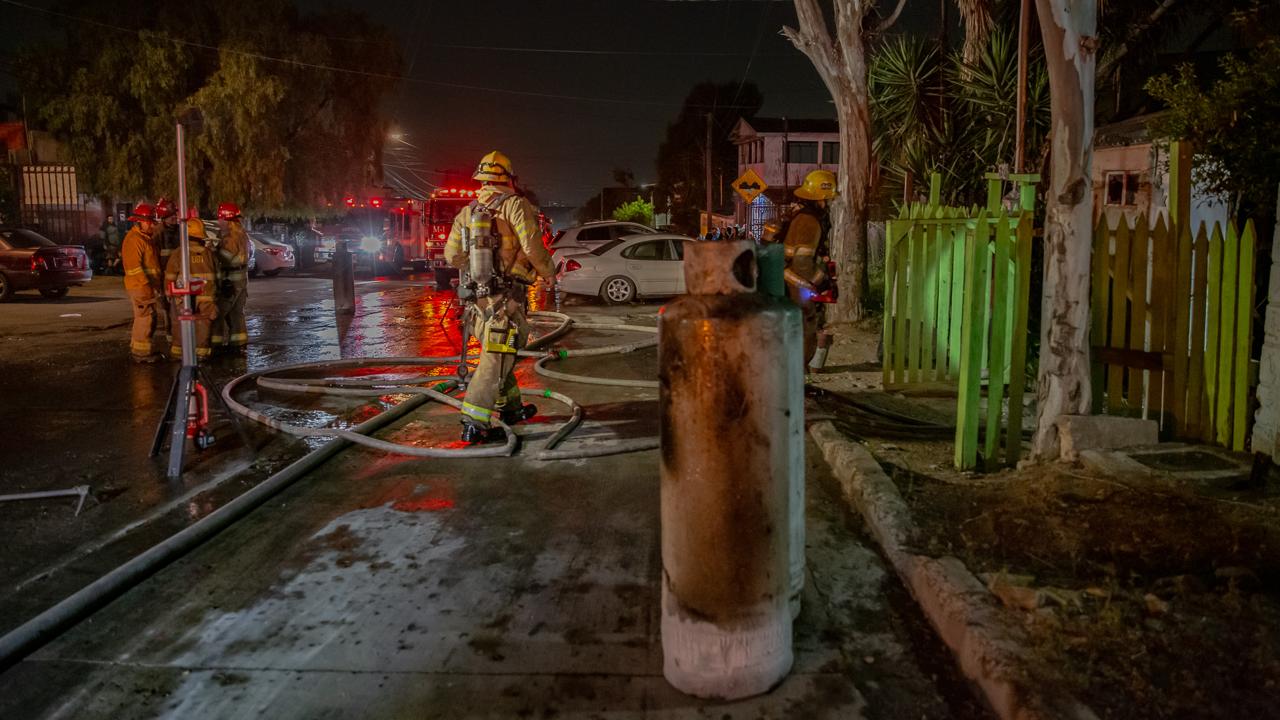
(801, 250)
(233, 254)
(139, 260)
(522, 253)
(202, 267)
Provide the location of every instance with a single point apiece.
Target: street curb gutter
(988, 647)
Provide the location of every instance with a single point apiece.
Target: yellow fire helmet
(494, 167)
(195, 229)
(818, 185)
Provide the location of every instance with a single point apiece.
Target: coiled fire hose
(437, 391)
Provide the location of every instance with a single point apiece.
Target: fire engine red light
(376, 202)
(471, 193)
(350, 201)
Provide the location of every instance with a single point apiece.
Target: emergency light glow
(376, 202)
(350, 201)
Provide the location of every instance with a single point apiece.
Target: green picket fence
(1172, 321)
(956, 302)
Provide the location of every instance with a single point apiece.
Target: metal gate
(52, 204)
(761, 210)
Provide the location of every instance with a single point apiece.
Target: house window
(803, 153)
(1122, 189)
(830, 153)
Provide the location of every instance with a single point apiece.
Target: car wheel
(271, 273)
(618, 290)
(55, 293)
(6, 287)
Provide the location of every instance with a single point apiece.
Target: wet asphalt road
(386, 586)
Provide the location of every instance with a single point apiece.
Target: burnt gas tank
(731, 376)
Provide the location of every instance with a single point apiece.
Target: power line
(583, 51)
(334, 68)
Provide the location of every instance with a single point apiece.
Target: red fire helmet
(143, 211)
(228, 211)
(165, 208)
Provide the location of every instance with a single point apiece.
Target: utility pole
(706, 162)
(1020, 135)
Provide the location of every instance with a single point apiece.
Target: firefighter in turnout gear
(166, 240)
(805, 243)
(142, 280)
(204, 306)
(497, 246)
(232, 254)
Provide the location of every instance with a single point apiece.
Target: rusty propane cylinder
(731, 376)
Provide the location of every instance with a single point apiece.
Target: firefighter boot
(519, 414)
(476, 434)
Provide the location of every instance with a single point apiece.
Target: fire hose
(347, 386)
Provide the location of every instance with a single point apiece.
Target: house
(781, 151)
(1131, 177)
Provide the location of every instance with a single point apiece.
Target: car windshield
(443, 210)
(606, 247)
(25, 239)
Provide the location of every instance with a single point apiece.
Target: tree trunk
(849, 211)
(841, 62)
(1068, 28)
(977, 28)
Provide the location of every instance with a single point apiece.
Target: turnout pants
(206, 311)
(230, 328)
(143, 301)
(502, 330)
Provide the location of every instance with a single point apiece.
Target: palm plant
(936, 113)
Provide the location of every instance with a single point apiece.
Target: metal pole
(186, 375)
(1024, 40)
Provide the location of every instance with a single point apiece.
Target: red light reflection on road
(426, 504)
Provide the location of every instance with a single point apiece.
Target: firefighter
(166, 240)
(232, 253)
(204, 305)
(805, 242)
(142, 280)
(496, 244)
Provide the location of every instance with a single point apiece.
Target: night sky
(644, 56)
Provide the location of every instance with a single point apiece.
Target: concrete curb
(989, 648)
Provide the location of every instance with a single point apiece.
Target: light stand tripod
(187, 413)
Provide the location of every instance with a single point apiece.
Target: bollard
(732, 422)
(344, 280)
(772, 261)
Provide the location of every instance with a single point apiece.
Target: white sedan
(271, 256)
(621, 270)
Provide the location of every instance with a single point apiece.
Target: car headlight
(369, 243)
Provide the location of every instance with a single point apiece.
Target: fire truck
(437, 216)
(383, 234)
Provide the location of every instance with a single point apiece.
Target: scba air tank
(480, 250)
(731, 372)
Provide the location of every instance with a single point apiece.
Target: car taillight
(38, 263)
(572, 265)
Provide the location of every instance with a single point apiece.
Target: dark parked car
(30, 261)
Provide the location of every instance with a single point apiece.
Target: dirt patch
(1147, 599)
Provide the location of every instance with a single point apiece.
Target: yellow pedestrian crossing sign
(749, 185)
